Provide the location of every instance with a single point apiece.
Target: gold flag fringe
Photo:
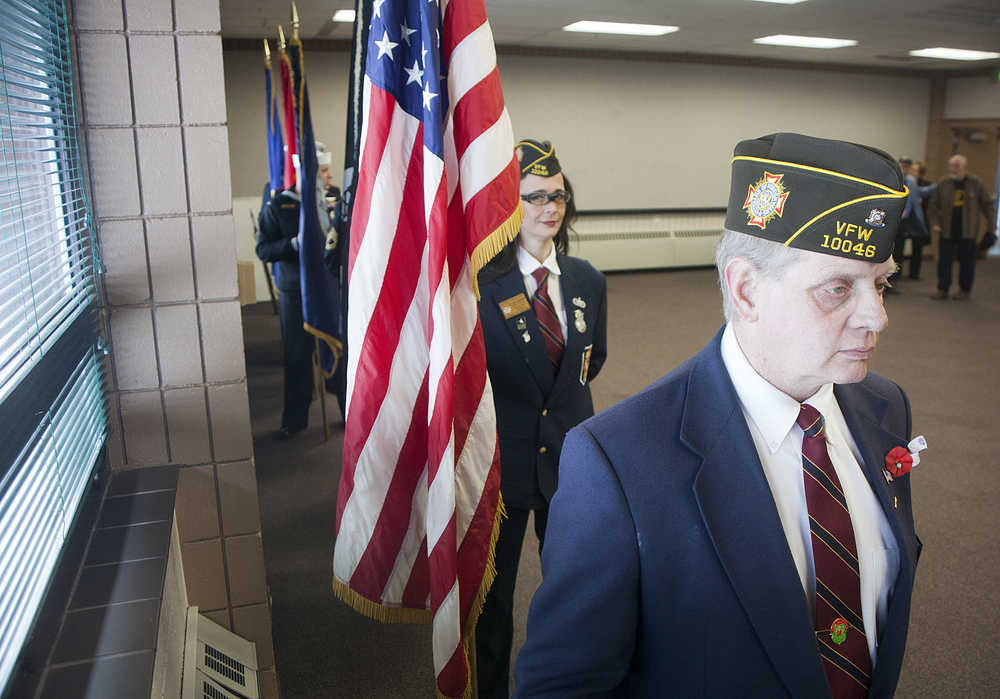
(400, 615)
(380, 612)
(494, 243)
(489, 574)
(469, 632)
(335, 345)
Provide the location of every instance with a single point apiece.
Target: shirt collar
(771, 410)
(528, 264)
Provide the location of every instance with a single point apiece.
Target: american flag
(437, 196)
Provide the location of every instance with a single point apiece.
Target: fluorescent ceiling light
(782, 2)
(806, 42)
(343, 16)
(619, 28)
(955, 54)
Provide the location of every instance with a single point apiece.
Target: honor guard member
(734, 529)
(278, 241)
(544, 317)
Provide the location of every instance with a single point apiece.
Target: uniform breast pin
(521, 325)
(526, 336)
(581, 324)
(579, 302)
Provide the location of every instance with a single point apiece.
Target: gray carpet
(942, 352)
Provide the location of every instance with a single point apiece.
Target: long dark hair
(506, 259)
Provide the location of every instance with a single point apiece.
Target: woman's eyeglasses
(539, 198)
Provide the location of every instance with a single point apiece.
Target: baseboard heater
(218, 664)
(624, 240)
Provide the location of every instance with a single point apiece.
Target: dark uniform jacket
(277, 226)
(534, 407)
(666, 569)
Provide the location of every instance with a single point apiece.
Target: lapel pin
(901, 460)
(838, 630)
(521, 325)
(526, 336)
(579, 302)
(581, 324)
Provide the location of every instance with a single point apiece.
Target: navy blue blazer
(666, 570)
(535, 408)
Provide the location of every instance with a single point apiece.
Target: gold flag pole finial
(295, 22)
(281, 38)
(267, 53)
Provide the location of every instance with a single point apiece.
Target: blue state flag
(320, 288)
(275, 144)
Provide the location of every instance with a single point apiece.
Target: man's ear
(741, 280)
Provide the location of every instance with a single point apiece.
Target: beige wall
(154, 112)
(631, 134)
(327, 76)
(974, 97)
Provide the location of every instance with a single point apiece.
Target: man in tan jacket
(953, 211)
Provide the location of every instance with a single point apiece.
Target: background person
(914, 222)
(544, 318)
(278, 241)
(954, 211)
(681, 558)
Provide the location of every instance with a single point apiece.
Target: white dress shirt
(770, 415)
(528, 264)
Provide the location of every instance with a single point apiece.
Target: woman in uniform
(544, 317)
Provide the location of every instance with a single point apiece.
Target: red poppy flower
(898, 462)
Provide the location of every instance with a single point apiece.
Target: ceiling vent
(218, 664)
(898, 58)
(966, 12)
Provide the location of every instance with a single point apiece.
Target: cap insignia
(876, 218)
(765, 200)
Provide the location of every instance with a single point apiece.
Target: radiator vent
(637, 240)
(224, 665)
(713, 233)
(218, 664)
(207, 689)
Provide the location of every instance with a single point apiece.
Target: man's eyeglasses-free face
(559, 196)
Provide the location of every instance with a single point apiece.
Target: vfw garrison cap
(825, 196)
(537, 158)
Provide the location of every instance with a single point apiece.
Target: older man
(730, 530)
(954, 211)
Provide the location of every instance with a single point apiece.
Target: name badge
(515, 305)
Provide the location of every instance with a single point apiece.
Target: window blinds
(52, 412)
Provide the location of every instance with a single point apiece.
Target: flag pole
(267, 270)
(320, 384)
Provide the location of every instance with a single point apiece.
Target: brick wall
(154, 112)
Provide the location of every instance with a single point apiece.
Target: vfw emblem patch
(765, 200)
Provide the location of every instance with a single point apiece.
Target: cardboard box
(246, 283)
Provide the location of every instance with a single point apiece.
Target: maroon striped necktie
(548, 319)
(840, 629)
